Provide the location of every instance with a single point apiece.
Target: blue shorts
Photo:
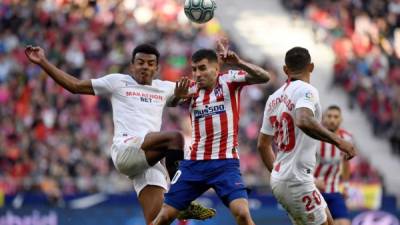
(336, 205)
(195, 177)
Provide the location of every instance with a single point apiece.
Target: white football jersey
(296, 156)
(137, 109)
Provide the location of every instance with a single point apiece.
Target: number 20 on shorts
(311, 200)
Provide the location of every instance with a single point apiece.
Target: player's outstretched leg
(151, 200)
(240, 210)
(156, 146)
(168, 144)
(166, 216)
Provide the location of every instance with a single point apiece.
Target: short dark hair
(334, 107)
(297, 59)
(146, 49)
(201, 54)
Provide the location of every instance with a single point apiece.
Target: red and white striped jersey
(329, 159)
(215, 118)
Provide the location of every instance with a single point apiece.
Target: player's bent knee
(166, 216)
(162, 219)
(177, 140)
(240, 210)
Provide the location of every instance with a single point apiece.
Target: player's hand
(348, 148)
(227, 56)
(320, 184)
(182, 88)
(222, 47)
(231, 58)
(35, 54)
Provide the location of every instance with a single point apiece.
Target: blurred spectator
(367, 65)
(54, 142)
(366, 40)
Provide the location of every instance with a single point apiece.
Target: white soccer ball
(200, 11)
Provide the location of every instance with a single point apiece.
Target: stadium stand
(54, 142)
(54, 146)
(365, 38)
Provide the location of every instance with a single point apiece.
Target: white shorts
(130, 160)
(303, 202)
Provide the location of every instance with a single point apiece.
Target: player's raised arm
(255, 74)
(306, 121)
(36, 55)
(181, 92)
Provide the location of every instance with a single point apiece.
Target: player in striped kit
(331, 166)
(213, 160)
(291, 123)
(138, 144)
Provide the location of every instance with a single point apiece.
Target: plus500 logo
(208, 111)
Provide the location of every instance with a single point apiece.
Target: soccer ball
(200, 11)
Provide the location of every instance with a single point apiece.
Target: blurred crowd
(58, 143)
(55, 142)
(365, 37)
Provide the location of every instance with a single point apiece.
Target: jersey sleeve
(266, 127)
(346, 136)
(104, 86)
(307, 98)
(235, 77)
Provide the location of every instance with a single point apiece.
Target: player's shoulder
(301, 85)
(345, 134)
(116, 76)
(302, 88)
(163, 83)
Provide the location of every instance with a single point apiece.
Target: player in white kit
(138, 102)
(291, 124)
(332, 168)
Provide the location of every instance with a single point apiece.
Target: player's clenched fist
(348, 148)
(35, 54)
